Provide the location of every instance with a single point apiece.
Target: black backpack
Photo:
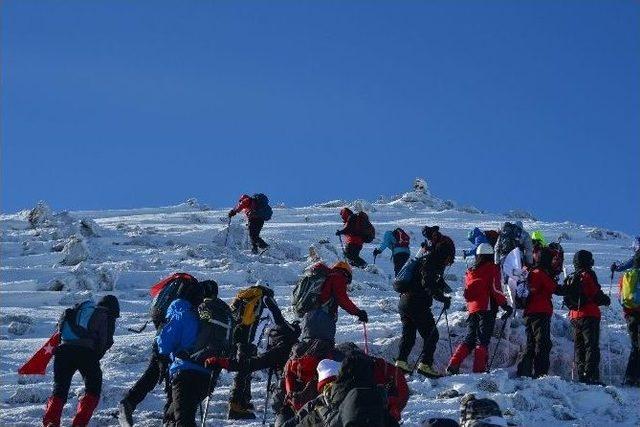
(306, 292)
(167, 291)
(509, 238)
(364, 407)
(262, 208)
(573, 297)
(215, 330)
(364, 228)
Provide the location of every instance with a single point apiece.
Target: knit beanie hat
(327, 372)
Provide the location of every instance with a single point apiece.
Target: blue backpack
(74, 323)
(262, 208)
(405, 279)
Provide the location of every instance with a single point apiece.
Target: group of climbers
(319, 381)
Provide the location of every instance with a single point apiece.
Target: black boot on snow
(237, 412)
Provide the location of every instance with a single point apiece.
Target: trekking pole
(341, 244)
(206, 405)
(266, 398)
(609, 333)
(366, 339)
(435, 328)
(374, 259)
(611, 283)
(446, 319)
(495, 350)
(226, 236)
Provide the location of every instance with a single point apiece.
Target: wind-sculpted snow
(42, 270)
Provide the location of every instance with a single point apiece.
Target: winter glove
(614, 267)
(339, 232)
(508, 311)
(376, 252)
(213, 362)
(163, 366)
(362, 316)
(446, 301)
(232, 213)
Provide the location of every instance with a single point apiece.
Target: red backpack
(402, 238)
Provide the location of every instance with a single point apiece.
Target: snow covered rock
(75, 251)
(602, 234)
(40, 216)
(520, 214)
(72, 298)
(29, 394)
(19, 328)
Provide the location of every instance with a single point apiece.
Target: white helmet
(484, 249)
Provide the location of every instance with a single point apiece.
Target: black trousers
(71, 358)
(352, 253)
(417, 317)
(241, 391)
(255, 227)
(188, 389)
(535, 360)
(147, 381)
(481, 326)
(632, 374)
(399, 261)
(586, 338)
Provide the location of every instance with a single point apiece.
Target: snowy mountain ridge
(51, 260)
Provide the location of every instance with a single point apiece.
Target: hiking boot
(254, 250)
(428, 371)
(237, 412)
(125, 413)
(404, 366)
(453, 370)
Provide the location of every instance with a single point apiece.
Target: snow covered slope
(49, 261)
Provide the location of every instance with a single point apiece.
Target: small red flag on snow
(37, 364)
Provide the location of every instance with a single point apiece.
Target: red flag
(37, 364)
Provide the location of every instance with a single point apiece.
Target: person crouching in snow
(483, 295)
(86, 332)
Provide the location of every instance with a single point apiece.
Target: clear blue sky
(499, 104)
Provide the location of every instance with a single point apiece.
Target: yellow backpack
(246, 305)
(630, 289)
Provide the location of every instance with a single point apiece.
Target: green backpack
(630, 289)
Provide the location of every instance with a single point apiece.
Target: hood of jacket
(178, 307)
